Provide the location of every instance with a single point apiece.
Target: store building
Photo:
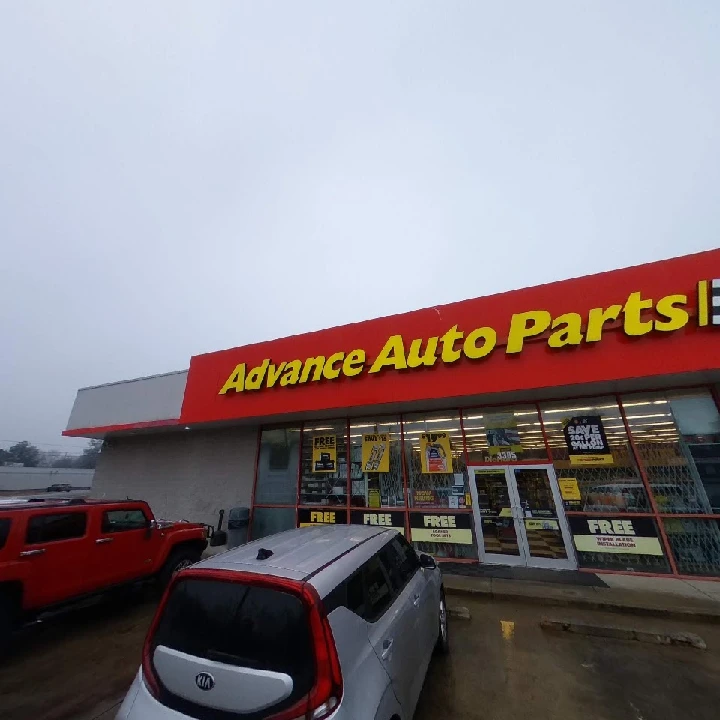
(574, 424)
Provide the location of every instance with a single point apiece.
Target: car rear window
(241, 625)
(4, 531)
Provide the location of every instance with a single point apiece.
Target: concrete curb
(555, 598)
(687, 639)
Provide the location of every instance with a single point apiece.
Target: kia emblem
(205, 681)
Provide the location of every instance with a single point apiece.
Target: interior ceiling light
(640, 417)
(580, 409)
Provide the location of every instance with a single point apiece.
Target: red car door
(55, 552)
(123, 547)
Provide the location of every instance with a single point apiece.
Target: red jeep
(55, 551)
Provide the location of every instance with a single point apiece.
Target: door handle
(416, 600)
(387, 647)
(30, 553)
(102, 541)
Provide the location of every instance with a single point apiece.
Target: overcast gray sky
(182, 177)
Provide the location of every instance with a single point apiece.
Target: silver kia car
(322, 622)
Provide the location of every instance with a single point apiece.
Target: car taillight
(326, 693)
(148, 670)
(149, 673)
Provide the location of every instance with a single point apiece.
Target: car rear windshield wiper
(219, 656)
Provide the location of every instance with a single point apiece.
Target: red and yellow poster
(435, 453)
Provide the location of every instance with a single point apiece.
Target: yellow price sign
(569, 488)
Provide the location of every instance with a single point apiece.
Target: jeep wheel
(178, 560)
(7, 623)
(442, 646)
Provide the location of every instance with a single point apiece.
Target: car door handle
(102, 541)
(30, 553)
(416, 600)
(387, 648)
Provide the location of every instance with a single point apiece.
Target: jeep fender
(175, 538)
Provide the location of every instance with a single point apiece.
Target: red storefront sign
(640, 322)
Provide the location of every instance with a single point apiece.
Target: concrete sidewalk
(659, 597)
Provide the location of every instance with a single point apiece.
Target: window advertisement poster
(542, 524)
(374, 498)
(435, 453)
(376, 453)
(503, 438)
(324, 454)
(636, 536)
(308, 517)
(586, 441)
(570, 493)
(441, 528)
(394, 520)
(425, 498)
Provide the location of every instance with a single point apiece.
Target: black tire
(8, 622)
(442, 646)
(180, 558)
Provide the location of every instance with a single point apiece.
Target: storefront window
(324, 467)
(501, 436)
(588, 444)
(695, 545)
(677, 436)
(277, 472)
(376, 476)
(268, 521)
(437, 475)
(437, 478)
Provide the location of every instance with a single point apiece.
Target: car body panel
(394, 639)
(370, 681)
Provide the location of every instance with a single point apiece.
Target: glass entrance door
(519, 517)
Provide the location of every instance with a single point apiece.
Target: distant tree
(4, 456)
(88, 459)
(66, 461)
(47, 458)
(25, 453)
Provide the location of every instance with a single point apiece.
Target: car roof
(296, 554)
(33, 503)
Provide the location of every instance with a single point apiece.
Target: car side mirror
(427, 561)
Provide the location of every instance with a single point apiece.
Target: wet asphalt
(502, 665)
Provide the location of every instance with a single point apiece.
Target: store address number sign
(566, 330)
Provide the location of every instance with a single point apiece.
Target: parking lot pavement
(501, 664)
(63, 668)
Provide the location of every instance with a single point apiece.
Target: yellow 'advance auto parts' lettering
(400, 354)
